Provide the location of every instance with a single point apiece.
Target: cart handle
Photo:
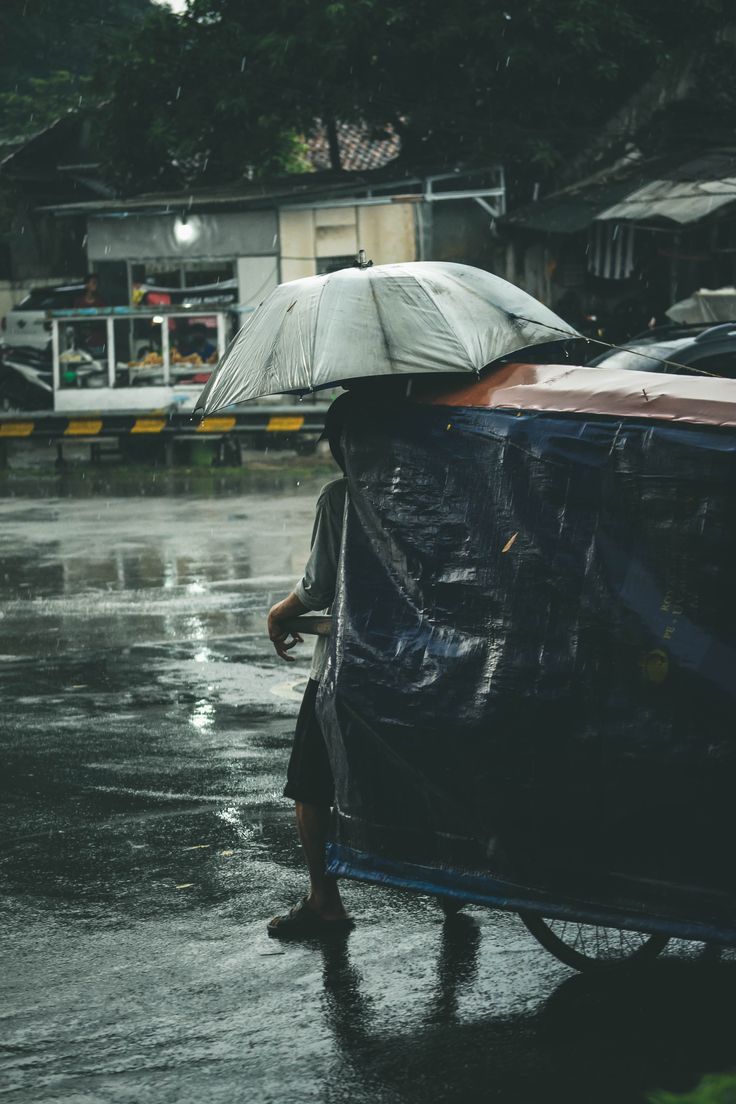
(311, 625)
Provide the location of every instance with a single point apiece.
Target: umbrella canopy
(424, 316)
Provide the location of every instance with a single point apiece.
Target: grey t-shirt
(316, 588)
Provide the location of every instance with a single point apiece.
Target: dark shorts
(309, 775)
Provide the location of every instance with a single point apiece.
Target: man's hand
(282, 638)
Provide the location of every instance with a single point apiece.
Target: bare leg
(313, 824)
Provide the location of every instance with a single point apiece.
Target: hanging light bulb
(184, 230)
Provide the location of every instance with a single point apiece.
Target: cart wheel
(590, 947)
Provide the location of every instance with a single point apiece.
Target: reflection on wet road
(145, 730)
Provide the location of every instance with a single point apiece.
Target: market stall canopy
(419, 317)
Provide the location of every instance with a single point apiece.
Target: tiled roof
(361, 147)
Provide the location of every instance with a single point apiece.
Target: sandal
(304, 923)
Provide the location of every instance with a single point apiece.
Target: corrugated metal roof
(329, 184)
(569, 212)
(575, 207)
(666, 199)
(638, 191)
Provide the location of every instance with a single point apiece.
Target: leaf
(509, 543)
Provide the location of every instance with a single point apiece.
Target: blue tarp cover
(531, 696)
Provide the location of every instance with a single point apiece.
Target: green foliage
(714, 1089)
(229, 88)
(47, 51)
(223, 90)
(41, 102)
(178, 114)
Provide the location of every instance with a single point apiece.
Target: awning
(680, 201)
(705, 305)
(569, 211)
(637, 191)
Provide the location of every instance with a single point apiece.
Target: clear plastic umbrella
(419, 317)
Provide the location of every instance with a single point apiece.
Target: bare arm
(316, 588)
(283, 640)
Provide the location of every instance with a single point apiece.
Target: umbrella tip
(361, 260)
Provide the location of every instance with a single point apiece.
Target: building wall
(296, 237)
(388, 232)
(257, 276)
(153, 237)
(266, 247)
(335, 232)
(310, 237)
(461, 231)
(43, 247)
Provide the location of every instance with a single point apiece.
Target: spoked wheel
(590, 947)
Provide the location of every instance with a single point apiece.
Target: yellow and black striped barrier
(260, 420)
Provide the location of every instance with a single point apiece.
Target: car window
(721, 363)
(646, 357)
(35, 301)
(43, 299)
(66, 299)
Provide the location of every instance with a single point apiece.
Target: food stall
(136, 358)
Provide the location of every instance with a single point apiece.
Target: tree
(47, 52)
(40, 102)
(225, 90)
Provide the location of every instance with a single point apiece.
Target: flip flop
(302, 922)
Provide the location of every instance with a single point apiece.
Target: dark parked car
(698, 349)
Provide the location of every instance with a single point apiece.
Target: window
(172, 275)
(205, 273)
(334, 264)
(717, 364)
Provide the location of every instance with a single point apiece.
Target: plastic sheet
(531, 696)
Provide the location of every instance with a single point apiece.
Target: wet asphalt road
(145, 732)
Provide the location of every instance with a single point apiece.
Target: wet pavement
(145, 731)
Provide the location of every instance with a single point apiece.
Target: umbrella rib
(212, 383)
(389, 357)
(311, 371)
(268, 362)
(512, 315)
(450, 329)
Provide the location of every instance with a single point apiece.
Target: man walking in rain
(309, 775)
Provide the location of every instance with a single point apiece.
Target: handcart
(530, 697)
